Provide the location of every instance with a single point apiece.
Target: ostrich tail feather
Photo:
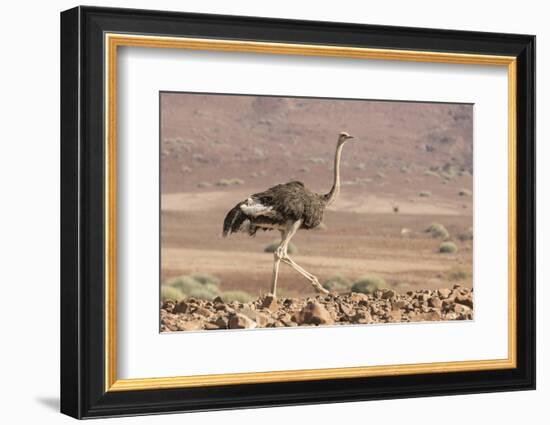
(233, 220)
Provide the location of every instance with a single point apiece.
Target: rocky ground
(384, 306)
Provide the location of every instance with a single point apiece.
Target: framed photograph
(261, 212)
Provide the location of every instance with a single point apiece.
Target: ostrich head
(344, 137)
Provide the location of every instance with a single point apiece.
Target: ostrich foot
(317, 286)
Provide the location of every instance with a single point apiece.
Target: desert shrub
(318, 161)
(455, 275)
(203, 293)
(466, 236)
(171, 293)
(431, 173)
(229, 182)
(361, 181)
(437, 231)
(464, 192)
(448, 248)
(199, 158)
(272, 247)
(184, 283)
(337, 283)
(205, 278)
(368, 284)
(425, 194)
(203, 184)
(259, 152)
(449, 171)
(240, 296)
(185, 142)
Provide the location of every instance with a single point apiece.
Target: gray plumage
(284, 202)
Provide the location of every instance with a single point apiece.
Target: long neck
(335, 190)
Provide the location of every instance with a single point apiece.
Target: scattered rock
(315, 314)
(362, 316)
(168, 306)
(193, 325)
(465, 300)
(240, 321)
(388, 294)
(359, 297)
(221, 322)
(269, 302)
(444, 293)
(398, 304)
(210, 326)
(261, 319)
(383, 306)
(435, 302)
(394, 316)
(346, 309)
(181, 307)
(428, 316)
(201, 311)
(461, 309)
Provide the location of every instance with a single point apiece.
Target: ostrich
(286, 208)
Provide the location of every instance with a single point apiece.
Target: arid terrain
(410, 167)
(383, 306)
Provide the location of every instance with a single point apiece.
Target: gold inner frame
(113, 41)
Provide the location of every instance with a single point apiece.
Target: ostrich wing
(248, 210)
(274, 208)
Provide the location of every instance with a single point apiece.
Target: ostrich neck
(335, 190)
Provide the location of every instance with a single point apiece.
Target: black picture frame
(83, 392)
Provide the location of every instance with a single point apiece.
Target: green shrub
(272, 247)
(202, 293)
(337, 283)
(198, 285)
(438, 231)
(205, 278)
(184, 283)
(368, 284)
(229, 182)
(464, 192)
(457, 275)
(448, 248)
(466, 236)
(318, 161)
(170, 293)
(240, 296)
(431, 173)
(425, 194)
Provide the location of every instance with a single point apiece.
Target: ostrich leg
(287, 260)
(312, 278)
(277, 257)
